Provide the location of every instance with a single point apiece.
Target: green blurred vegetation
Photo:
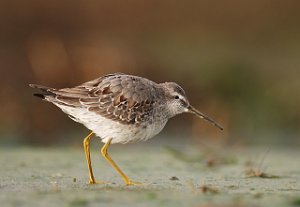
(238, 62)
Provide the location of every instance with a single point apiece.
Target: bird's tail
(43, 91)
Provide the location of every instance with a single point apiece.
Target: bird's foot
(130, 182)
(92, 182)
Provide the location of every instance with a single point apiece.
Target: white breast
(106, 128)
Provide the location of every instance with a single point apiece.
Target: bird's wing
(123, 98)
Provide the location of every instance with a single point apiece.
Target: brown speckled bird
(120, 108)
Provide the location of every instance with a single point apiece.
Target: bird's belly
(122, 133)
(108, 129)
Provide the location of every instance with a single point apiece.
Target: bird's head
(177, 103)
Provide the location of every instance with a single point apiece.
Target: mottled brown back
(123, 98)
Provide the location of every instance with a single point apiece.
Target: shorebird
(120, 108)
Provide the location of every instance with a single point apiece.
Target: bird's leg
(113, 164)
(86, 146)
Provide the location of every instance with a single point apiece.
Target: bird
(120, 108)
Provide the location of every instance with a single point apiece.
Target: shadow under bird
(120, 108)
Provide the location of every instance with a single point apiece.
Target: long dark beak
(203, 116)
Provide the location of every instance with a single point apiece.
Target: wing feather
(122, 98)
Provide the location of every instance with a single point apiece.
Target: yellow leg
(113, 164)
(86, 146)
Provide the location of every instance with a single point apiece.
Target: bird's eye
(176, 97)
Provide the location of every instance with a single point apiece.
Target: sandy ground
(171, 177)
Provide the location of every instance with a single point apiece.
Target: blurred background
(238, 61)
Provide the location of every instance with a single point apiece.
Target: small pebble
(174, 178)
